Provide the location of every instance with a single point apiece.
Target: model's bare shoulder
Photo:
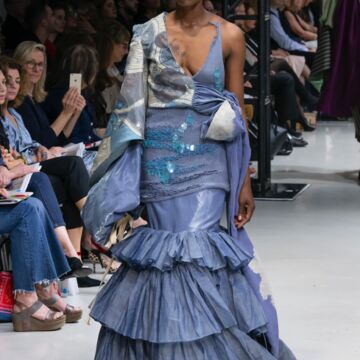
(232, 31)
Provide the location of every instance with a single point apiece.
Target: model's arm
(234, 82)
(234, 62)
(297, 29)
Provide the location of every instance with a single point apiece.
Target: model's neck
(190, 15)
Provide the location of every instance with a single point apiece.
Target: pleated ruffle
(231, 344)
(160, 249)
(180, 288)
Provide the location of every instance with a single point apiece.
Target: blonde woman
(32, 57)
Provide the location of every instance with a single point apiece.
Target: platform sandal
(25, 321)
(71, 313)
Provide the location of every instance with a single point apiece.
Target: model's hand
(246, 204)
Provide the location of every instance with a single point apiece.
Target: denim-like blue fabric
(35, 251)
(180, 288)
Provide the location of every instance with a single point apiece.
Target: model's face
(13, 84)
(188, 3)
(59, 20)
(109, 9)
(34, 67)
(2, 88)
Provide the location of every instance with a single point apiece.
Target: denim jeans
(36, 254)
(41, 186)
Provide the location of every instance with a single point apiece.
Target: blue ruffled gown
(181, 292)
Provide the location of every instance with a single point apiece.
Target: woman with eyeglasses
(32, 57)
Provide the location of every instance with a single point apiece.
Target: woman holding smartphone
(67, 174)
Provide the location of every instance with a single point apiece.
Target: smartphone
(75, 81)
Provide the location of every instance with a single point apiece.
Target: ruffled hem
(231, 344)
(160, 249)
(185, 304)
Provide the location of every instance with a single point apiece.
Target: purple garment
(342, 89)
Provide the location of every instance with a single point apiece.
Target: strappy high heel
(25, 321)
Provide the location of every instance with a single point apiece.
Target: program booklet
(14, 197)
(21, 184)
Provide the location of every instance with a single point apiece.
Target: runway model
(177, 143)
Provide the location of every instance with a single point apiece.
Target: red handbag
(6, 296)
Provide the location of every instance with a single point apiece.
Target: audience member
(112, 44)
(297, 25)
(106, 9)
(37, 263)
(32, 58)
(13, 28)
(280, 39)
(147, 10)
(86, 16)
(80, 59)
(127, 10)
(68, 175)
(39, 20)
(39, 183)
(59, 19)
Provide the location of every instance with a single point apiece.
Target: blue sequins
(172, 139)
(218, 80)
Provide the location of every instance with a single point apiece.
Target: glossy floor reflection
(310, 249)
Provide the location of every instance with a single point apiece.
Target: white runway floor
(310, 249)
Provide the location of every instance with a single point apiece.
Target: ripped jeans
(36, 254)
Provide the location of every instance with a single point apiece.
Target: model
(177, 143)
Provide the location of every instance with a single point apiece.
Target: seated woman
(112, 44)
(37, 305)
(67, 174)
(78, 59)
(285, 84)
(32, 57)
(295, 24)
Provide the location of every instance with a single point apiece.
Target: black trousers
(283, 89)
(70, 181)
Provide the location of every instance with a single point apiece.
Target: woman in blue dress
(177, 144)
